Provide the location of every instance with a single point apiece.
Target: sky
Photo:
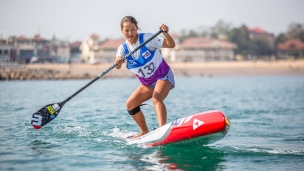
(76, 20)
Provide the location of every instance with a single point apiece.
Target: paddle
(51, 111)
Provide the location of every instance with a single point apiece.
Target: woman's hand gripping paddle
(51, 111)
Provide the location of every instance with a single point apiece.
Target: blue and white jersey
(147, 64)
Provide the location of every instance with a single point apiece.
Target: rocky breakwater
(40, 74)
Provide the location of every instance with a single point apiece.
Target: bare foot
(140, 134)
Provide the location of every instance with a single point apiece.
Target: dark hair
(130, 19)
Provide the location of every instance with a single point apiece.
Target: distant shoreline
(188, 69)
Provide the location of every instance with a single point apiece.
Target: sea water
(266, 133)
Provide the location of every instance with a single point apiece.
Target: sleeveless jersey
(149, 67)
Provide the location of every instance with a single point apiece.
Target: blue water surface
(266, 114)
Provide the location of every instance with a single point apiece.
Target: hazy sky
(77, 19)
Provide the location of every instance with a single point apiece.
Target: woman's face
(129, 30)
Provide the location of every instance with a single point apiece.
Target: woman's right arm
(118, 61)
(120, 52)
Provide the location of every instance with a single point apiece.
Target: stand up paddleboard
(205, 128)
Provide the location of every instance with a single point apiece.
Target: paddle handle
(109, 69)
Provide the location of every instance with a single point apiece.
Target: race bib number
(147, 70)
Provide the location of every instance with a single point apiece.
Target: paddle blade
(45, 115)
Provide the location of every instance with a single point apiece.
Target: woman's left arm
(168, 41)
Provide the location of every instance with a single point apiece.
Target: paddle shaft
(108, 70)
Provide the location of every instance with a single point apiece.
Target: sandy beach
(231, 68)
(49, 71)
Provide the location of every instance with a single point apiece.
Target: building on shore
(22, 49)
(107, 50)
(291, 49)
(88, 48)
(200, 49)
(75, 53)
(6, 51)
(95, 51)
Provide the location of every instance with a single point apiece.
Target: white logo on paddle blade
(197, 123)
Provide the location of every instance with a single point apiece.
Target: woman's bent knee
(156, 101)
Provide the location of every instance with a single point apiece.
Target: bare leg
(141, 122)
(161, 91)
(141, 94)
